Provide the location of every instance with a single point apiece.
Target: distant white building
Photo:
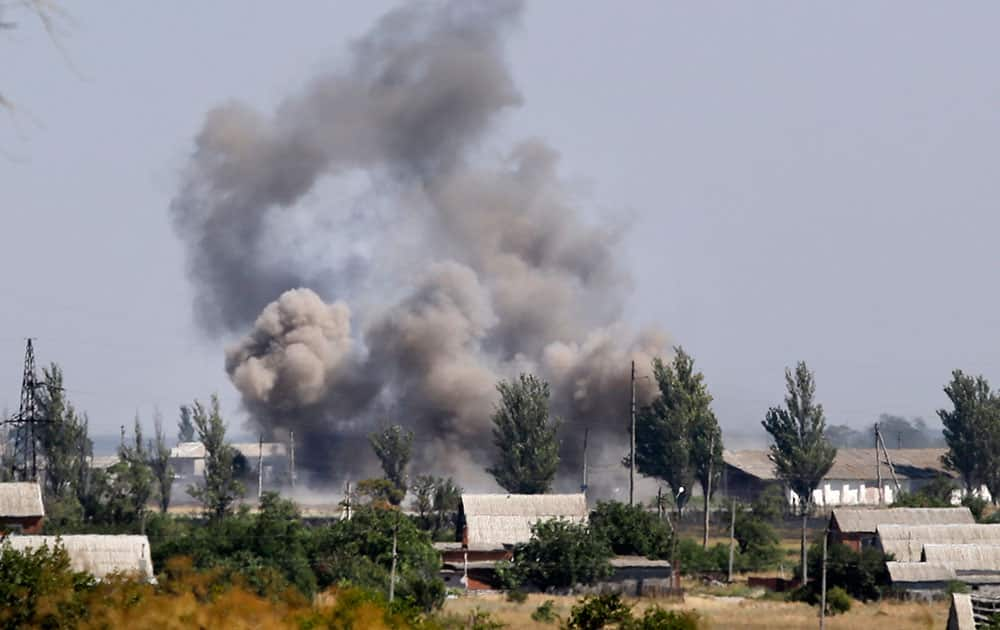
(188, 459)
(853, 479)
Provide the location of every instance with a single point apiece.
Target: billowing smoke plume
(460, 266)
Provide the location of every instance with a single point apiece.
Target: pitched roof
(96, 554)
(855, 464)
(21, 499)
(919, 572)
(906, 542)
(868, 519)
(983, 557)
(506, 519)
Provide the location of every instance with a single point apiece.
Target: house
(856, 527)
(852, 480)
(21, 508)
(498, 521)
(98, 555)
(188, 459)
(489, 527)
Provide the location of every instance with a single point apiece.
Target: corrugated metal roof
(98, 555)
(981, 557)
(851, 464)
(906, 542)
(869, 519)
(21, 499)
(629, 562)
(919, 572)
(506, 519)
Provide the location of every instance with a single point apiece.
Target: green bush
(954, 586)
(769, 506)
(560, 554)
(545, 613)
(758, 542)
(517, 596)
(39, 589)
(837, 601)
(595, 612)
(862, 574)
(693, 558)
(656, 618)
(631, 530)
(976, 505)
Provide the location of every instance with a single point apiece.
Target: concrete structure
(856, 527)
(188, 459)
(98, 555)
(21, 508)
(852, 480)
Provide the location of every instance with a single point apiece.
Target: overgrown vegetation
(559, 555)
(525, 436)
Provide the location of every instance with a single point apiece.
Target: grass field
(727, 612)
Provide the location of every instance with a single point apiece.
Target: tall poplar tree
(971, 429)
(525, 436)
(801, 453)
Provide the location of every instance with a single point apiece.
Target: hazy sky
(804, 181)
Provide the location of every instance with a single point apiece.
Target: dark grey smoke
(459, 269)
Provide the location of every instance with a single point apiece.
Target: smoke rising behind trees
(454, 263)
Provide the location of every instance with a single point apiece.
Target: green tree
(63, 443)
(359, 551)
(381, 492)
(220, 488)
(970, 430)
(159, 463)
(800, 451)
(39, 589)
(560, 554)
(423, 499)
(185, 427)
(527, 448)
(631, 530)
(132, 482)
(447, 500)
(392, 446)
(678, 439)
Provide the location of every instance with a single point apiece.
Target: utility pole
(732, 538)
(822, 604)
(708, 490)
(260, 467)
(583, 486)
(878, 469)
(392, 573)
(631, 467)
(291, 456)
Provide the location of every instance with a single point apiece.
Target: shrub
(545, 613)
(595, 612)
(837, 601)
(517, 596)
(560, 554)
(656, 618)
(976, 505)
(757, 540)
(631, 530)
(954, 586)
(39, 589)
(863, 575)
(769, 506)
(692, 557)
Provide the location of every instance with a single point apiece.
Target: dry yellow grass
(728, 612)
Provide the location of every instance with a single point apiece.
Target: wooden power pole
(260, 467)
(583, 486)
(631, 459)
